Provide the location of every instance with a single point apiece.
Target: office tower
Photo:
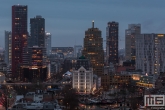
(19, 36)
(8, 43)
(93, 49)
(112, 42)
(82, 78)
(48, 43)
(150, 52)
(77, 51)
(68, 64)
(37, 31)
(130, 33)
(34, 66)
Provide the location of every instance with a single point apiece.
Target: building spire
(93, 24)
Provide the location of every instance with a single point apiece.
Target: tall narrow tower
(112, 42)
(93, 49)
(37, 31)
(130, 33)
(48, 43)
(19, 36)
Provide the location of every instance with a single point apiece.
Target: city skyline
(64, 21)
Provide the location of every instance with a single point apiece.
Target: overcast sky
(67, 20)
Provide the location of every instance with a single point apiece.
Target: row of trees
(70, 98)
(127, 89)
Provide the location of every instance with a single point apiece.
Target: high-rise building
(37, 32)
(150, 52)
(34, 64)
(68, 64)
(77, 51)
(82, 78)
(112, 42)
(48, 43)
(93, 49)
(8, 44)
(19, 36)
(130, 33)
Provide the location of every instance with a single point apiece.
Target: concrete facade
(150, 51)
(130, 33)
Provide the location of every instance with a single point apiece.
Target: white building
(77, 50)
(82, 78)
(150, 52)
(48, 43)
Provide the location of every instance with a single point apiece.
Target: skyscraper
(48, 43)
(130, 33)
(19, 36)
(77, 51)
(37, 31)
(93, 49)
(112, 42)
(150, 52)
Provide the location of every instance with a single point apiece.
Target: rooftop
(82, 57)
(124, 68)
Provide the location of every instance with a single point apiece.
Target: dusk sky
(67, 20)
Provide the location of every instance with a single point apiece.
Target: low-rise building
(135, 75)
(115, 80)
(139, 78)
(66, 51)
(146, 81)
(36, 101)
(114, 76)
(67, 75)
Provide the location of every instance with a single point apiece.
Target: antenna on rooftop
(93, 24)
